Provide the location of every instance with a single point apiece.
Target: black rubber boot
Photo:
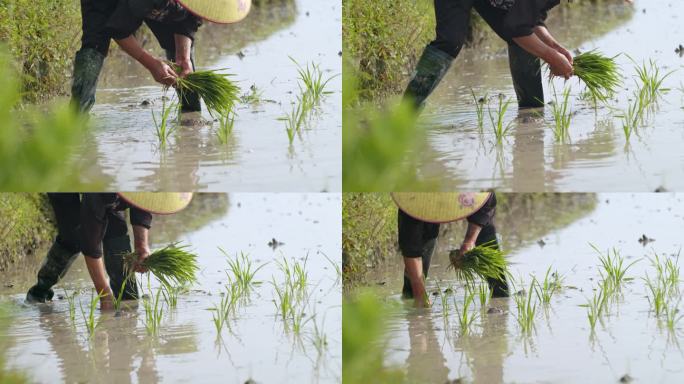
(87, 66)
(190, 101)
(499, 287)
(114, 249)
(431, 68)
(55, 265)
(527, 77)
(428, 249)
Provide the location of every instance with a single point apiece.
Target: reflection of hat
(161, 203)
(440, 207)
(218, 11)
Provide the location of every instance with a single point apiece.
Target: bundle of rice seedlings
(216, 89)
(173, 265)
(599, 73)
(483, 261)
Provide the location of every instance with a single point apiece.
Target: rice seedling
(284, 300)
(596, 306)
(632, 117)
(163, 126)
(71, 300)
(170, 294)
(298, 320)
(599, 73)
(337, 267)
(466, 318)
(319, 338)
(483, 261)
(479, 109)
(314, 83)
(526, 309)
(444, 299)
(548, 287)
(254, 96)
(614, 267)
(484, 293)
(651, 80)
(500, 128)
(119, 298)
(241, 271)
(658, 296)
(227, 306)
(171, 265)
(226, 123)
(89, 318)
(667, 272)
(154, 311)
(216, 89)
(561, 115)
(294, 121)
(296, 276)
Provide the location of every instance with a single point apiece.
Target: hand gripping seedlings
(173, 265)
(485, 261)
(599, 73)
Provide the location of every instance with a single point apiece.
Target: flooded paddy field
(595, 155)
(123, 151)
(255, 343)
(629, 342)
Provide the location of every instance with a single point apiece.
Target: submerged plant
(172, 265)
(89, 318)
(561, 115)
(226, 123)
(599, 73)
(479, 109)
(497, 118)
(163, 126)
(466, 318)
(485, 260)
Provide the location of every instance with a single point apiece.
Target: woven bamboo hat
(218, 11)
(161, 203)
(440, 207)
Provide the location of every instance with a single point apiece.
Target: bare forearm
(545, 36)
(96, 269)
(132, 48)
(534, 45)
(472, 232)
(140, 237)
(183, 47)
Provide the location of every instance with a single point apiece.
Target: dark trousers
(67, 209)
(418, 238)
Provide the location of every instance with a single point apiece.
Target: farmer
(418, 222)
(172, 23)
(95, 224)
(519, 22)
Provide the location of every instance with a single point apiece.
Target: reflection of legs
(417, 241)
(115, 244)
(94, 46)
(190, 101)
(64, 249)
(488, 235)
(452, 17)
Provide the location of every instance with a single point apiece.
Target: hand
(559, 65)
(143, 252)
(163, 73)
(560, 49)
(185, 67)
(107, 300)
(465, 247)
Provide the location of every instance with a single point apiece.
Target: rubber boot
(432, 66)
(87, 66)
(527, 77)
(55, 265)
(190, 101)
(114, 249)
(499, 287)
(426, 255)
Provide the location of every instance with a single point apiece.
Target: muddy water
(597, 156)
(561, 349)
(123, 151)
(49, 348)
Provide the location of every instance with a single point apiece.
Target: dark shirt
(524, 15)
(97, 209)
(485, 215)
(130, 14)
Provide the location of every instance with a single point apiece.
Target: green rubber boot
(431, 68)
(426, 255)
(114, 249)
(55, 265)
(527, 77)
(87, 66)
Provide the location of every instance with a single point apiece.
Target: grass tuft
(497, 118)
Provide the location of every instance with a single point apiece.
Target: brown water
(123, 150)
(597, 156)
(561, 349)
(47, 347)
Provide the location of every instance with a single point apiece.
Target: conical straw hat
(218, 11)
(440, 207)
(161, 203)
